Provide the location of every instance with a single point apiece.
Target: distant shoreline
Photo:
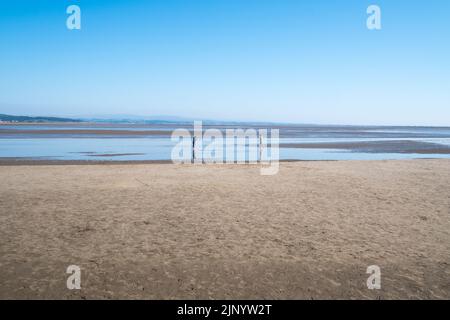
(216, 124)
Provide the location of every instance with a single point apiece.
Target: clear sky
(264, 60)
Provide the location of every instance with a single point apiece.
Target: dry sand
(165, 231)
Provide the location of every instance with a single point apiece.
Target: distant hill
(9, 118)
(126, 118)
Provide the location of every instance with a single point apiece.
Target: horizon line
(181, 119)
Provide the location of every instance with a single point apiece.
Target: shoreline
(46, 162)
(34, 162)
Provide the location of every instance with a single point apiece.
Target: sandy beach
(164, 231)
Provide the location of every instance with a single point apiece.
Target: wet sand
(163, 231)
(83, 132)
(390, 146)
(46, 162)
(92, 129)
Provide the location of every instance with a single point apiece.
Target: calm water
(72, 146)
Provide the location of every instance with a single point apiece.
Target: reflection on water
(159, 147)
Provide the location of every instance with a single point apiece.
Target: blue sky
(288, 61)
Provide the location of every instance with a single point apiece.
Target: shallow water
(159, 147)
